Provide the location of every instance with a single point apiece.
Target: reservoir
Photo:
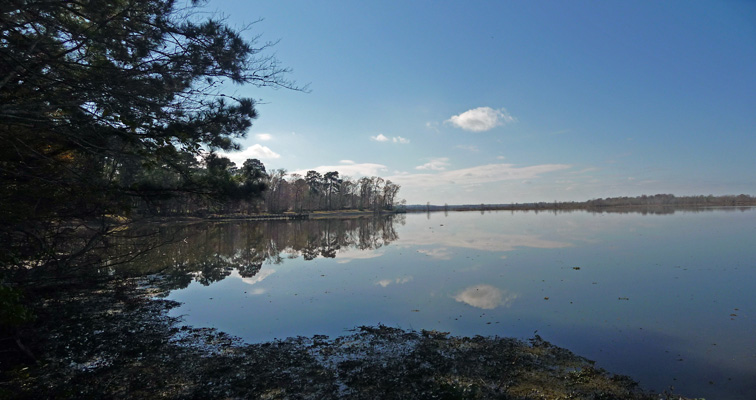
(666, 298)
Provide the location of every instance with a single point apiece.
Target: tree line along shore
(658, 202)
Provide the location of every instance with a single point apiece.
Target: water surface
(667, 299)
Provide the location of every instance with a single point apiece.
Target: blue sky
(511, 101)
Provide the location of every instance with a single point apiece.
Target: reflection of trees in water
(208, 253)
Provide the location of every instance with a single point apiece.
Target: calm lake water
(667, 299)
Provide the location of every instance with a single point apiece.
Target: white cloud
(260, 151)
(346, 162)
(383, 138)
(264, 136)
(486, 297)
(476, 175)
(255, 151)
(481, 119)
(436, 164)
(346, 169)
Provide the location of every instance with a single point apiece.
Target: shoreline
(121, 343)
(288, 216)
(314, 215)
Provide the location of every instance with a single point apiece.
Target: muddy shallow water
(662, 298)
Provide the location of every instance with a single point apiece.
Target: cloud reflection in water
(486, 297)
(477, 240)
(441, 253)
(264, 273)
(347, 255)
(399, 281)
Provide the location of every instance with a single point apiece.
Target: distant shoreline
(288, 216)
(617, 209)
(658, 202)
(655, 204)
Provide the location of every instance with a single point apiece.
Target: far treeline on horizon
(609, 203)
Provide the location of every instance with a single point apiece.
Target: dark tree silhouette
(106, 105)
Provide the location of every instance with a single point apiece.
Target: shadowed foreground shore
(117, 342)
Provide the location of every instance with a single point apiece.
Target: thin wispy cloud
(348, 169)
(436, 164)
(383, 138)
(584, 170)
(432, 126)
(469, 147)
(477, 175)
(481, 119)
